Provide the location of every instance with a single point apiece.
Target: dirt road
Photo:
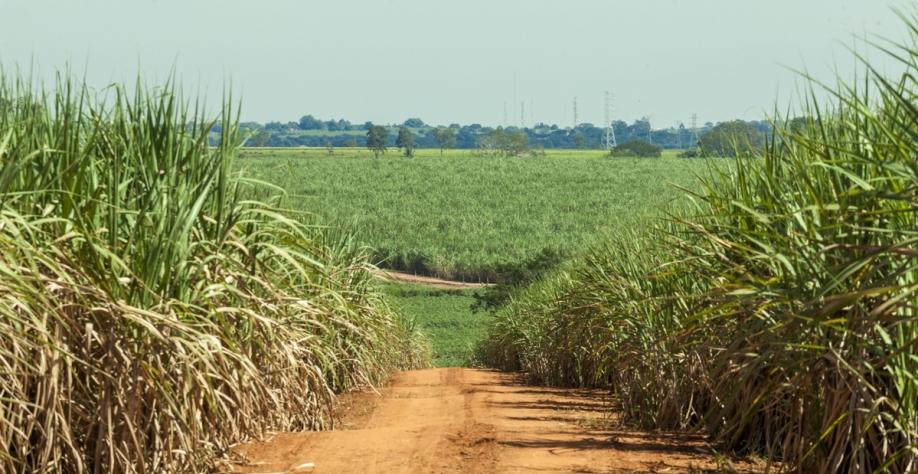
(429, 281)
(476, 421)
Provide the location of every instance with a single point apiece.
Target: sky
(457, 61)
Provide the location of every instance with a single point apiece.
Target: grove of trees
(730, 139)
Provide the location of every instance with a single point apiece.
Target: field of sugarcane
(779, 315)
(149, 315)
(464, 216)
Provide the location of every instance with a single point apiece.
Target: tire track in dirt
(477, 421)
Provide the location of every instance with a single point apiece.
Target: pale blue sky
(387, 60)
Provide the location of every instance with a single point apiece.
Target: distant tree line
(313, 132)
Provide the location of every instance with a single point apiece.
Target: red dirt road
(429, 281)
(476, 421)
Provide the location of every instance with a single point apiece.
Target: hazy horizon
(453, 62)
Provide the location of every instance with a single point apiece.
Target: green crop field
(445, 316)
(471, 217)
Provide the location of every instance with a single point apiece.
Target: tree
(517, 143)
(308, 122)
(731, 139)
(799, 125)
(637, 148)
(405, 141)
(274, 126)
(446, 137)
(414, 123)
(377, 139)
(493, 141)
(260, 138)
(506, 142)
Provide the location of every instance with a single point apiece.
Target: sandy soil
(476, 421)
(429, 281)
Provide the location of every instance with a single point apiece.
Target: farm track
(429, 281)
(475, 421)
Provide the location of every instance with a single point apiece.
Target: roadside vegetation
(149, 316)
(778, 314)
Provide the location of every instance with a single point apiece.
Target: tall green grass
(150, 316)
(780, 314)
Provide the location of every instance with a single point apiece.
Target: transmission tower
(609, 137)
(522, 115)
(505, 114)
(575, 112)
(695, 128)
